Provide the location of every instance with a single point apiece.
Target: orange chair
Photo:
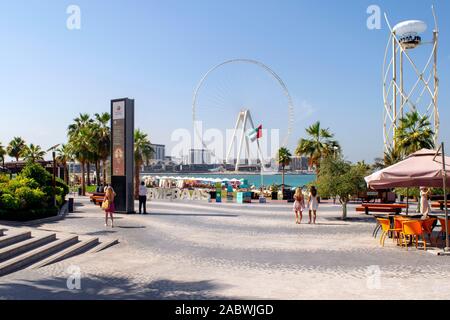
(386, 228)
(442, 231)
(427, 226)
(413, 229)
(398, 225)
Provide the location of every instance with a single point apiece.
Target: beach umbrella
(421, 169)
(424, 168)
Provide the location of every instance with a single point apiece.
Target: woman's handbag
(105, 205)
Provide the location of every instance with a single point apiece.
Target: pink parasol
(421, 169)
(424, 168)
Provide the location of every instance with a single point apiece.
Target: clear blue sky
(157, 51)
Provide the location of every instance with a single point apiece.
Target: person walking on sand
(313, 204)
(109, 210)
(299, 205)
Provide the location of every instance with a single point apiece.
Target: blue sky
(157, 51)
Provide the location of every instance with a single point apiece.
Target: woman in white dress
(424, 204)
(313, 204)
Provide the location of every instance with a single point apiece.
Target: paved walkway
(194, 250)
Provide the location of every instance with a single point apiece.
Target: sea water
(293, 180)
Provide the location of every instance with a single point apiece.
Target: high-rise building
(199, 156)
(159, 152)
(299, 163)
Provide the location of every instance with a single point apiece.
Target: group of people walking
(311, 204)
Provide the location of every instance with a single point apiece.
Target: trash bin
(70, 205)
(79, 191)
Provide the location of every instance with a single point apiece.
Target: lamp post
(54, 170)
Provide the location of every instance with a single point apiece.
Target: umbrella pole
(444, 187)
(407, 201)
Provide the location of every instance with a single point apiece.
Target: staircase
(23, 249)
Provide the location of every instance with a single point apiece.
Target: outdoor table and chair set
(404, 228)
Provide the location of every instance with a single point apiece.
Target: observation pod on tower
(407, 84)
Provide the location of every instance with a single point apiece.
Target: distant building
(199, 156)
(159, 153)
(299, 163)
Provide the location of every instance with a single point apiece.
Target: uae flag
(254, 134)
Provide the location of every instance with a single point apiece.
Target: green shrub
(65, 188)
(37, 173)
(30, 195)
(20, 182)
(3, 178)
(31, 198)
(9, 202)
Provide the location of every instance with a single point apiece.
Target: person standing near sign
(142, 198)
(108, 205)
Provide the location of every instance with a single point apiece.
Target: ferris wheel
(230, 96)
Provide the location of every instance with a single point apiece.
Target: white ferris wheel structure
(244, 120)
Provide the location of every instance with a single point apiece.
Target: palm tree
(2, 155)
(16, 147)
(414, 133)
(284, 159)
(378, 164)
(318, 145)
(392, 156)
(33, 153)
(142, 151)
(102, 135)
(79, 134)
(64, 155)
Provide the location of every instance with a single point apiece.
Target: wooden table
(395, 208)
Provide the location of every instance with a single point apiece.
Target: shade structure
(424, 168)
(421, 169)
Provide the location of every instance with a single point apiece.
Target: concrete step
(71, 251)
(24, 246)
(104, 245)
(31, 257)
(14, 238)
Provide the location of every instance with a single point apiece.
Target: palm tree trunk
(282, 181)
(97, 172)
(83, 180)
(66, 174)
(104, 172)
(88, 165)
